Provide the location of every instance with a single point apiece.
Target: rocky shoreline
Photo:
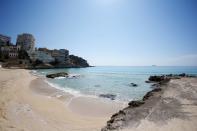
(140, 109)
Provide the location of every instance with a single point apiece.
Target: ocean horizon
(115, 80)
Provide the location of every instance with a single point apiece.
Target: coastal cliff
(72, 62)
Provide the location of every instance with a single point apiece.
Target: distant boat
(154, 65)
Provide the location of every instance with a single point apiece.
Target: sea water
(93, 81)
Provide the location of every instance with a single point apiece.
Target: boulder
(60, 74)
(109, 96)
(76, 61)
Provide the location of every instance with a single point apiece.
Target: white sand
(24, 108)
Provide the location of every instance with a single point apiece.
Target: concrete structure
(10, 51)
(4, 40)
(61, 55)
(11, 48)
(45, 50)
(42, 56)
(13, 55)
(26, 41)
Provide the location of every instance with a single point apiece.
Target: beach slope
(28, 104)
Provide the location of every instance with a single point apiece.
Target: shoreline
(43, 80)
(28, 103)
(171, 105)
(99, 107)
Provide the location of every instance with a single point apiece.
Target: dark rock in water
(156, 78)
(110, 96)
(97, 85)
(133, 84)
(60, 74)
(192, 76)
(73, 76)
(160, 79)
(182, 75)
(169, 75)
(151, 93)
(136, 103)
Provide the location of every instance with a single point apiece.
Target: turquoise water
(93, 81)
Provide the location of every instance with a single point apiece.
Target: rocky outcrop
(165, 78)
(151, 93)
(135, 111)
(60, 74)
(158, 78)
(76, 61)
(140, 109)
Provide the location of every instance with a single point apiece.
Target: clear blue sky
(109, 32)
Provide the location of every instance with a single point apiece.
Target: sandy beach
(27, 103)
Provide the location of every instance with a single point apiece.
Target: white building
(11, 51)
(42, 56)
(26, 41)
(13, 54)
